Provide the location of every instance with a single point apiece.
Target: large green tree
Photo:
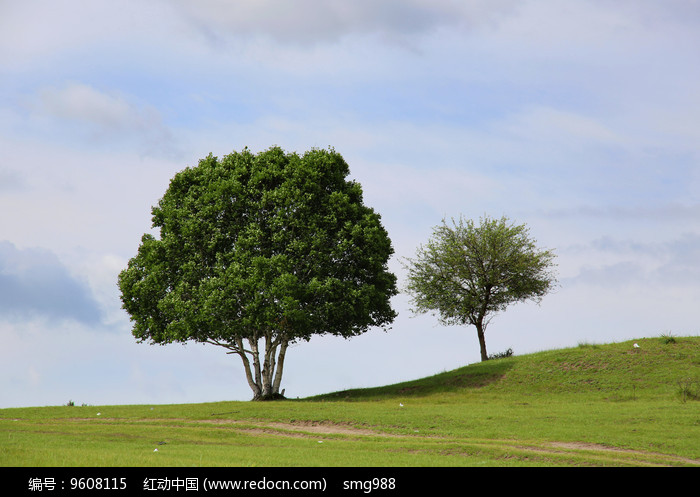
(256, 252)
(468, 272)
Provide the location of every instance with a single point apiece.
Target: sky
(580, 119)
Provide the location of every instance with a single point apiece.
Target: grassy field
(591, 405)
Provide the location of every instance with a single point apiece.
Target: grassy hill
(591, 405)
(654, 367)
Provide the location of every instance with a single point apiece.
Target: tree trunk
(280, 366)
(255, 352)
(246, 366)
(268, 366)
(265, 377)
(480, 328)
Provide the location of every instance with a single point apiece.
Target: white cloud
(666, 263)
(557, 128)
(81, 102)
(311, 21)
(108, 118)
(80, 198)
(42, 31)
(10, 180)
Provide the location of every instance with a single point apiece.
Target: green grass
(591, 405)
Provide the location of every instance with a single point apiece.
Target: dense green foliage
(592, 405)
(468, 272)
(270, 248)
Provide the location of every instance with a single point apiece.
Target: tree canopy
(256, 252)
(468, 272)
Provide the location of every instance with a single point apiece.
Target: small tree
(257, 252)
(467, 273)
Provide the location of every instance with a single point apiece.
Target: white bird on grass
(636, 346)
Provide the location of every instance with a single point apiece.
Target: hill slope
(654, 366)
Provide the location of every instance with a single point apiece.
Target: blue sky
(579, 118)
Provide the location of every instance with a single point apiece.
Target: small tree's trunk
(480, 328)
(481, 325)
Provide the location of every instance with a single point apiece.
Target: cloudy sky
(579, 118)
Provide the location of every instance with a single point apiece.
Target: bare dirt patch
(605, 448)
(324, 428)
(314, 427)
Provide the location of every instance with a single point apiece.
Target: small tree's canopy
(468, 272)
(274, 246)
